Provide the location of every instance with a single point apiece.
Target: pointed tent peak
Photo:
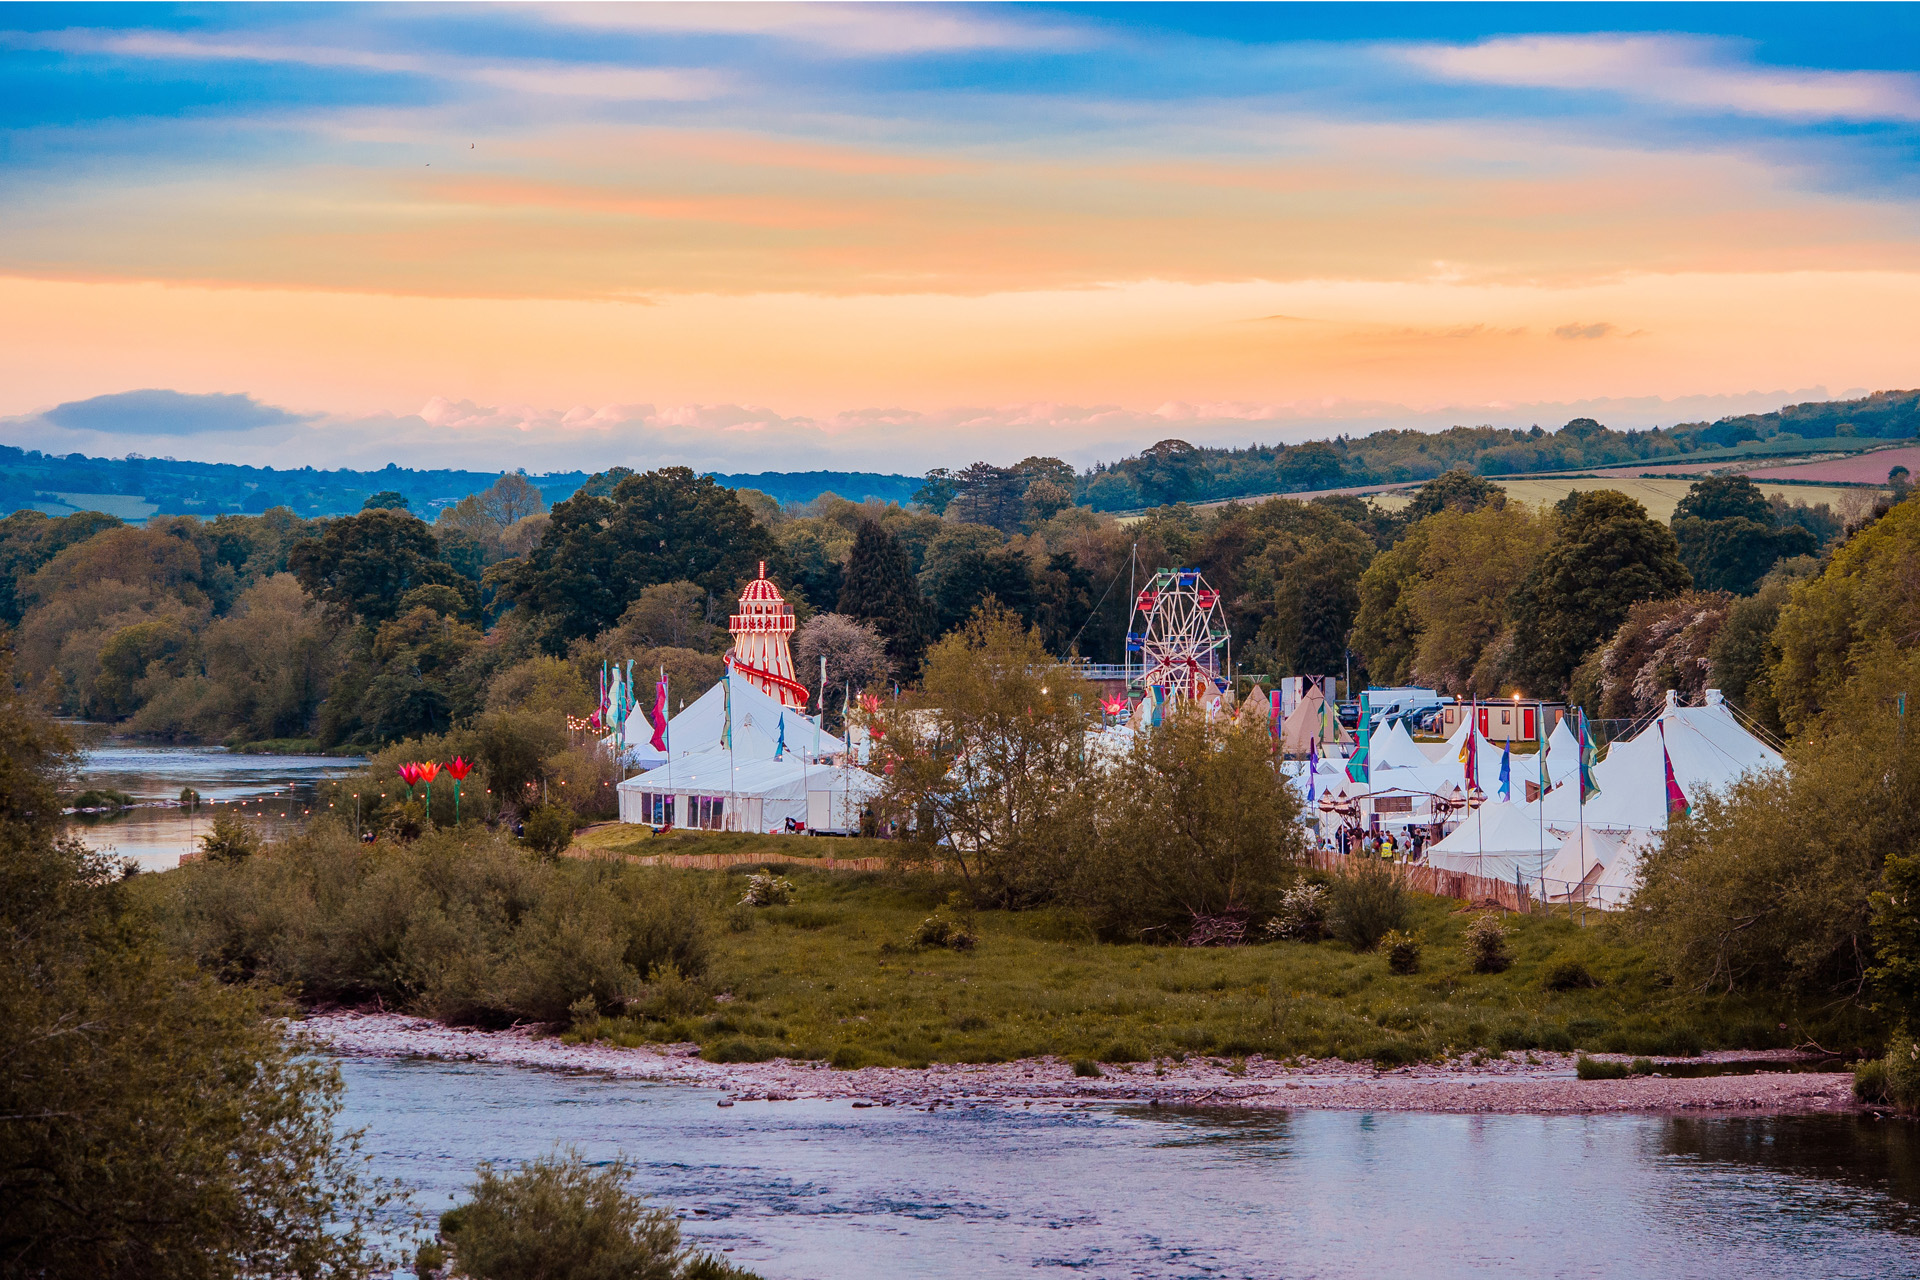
(1394, 748)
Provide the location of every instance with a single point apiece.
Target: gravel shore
(1546, 1085)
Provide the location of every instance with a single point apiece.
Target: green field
(829, 977)
(1659, 495)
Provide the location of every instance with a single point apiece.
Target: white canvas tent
(1394, 748)
(698, 728)
(1599, 868)
(748, 795)
(1497, 840)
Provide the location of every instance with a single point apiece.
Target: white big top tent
(704, 784)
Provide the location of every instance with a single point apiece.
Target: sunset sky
(892, 237)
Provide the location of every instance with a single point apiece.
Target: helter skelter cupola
(761, 652)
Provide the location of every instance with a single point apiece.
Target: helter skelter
(1175, 638)
(760, 633)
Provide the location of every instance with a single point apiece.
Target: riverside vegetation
(463, 926)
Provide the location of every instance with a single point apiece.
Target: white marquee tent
(756, 727)
(713, 790)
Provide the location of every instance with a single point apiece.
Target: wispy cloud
(612, 82)
(1683, 71)
(845, 30)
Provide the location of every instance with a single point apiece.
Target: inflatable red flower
(459, 768)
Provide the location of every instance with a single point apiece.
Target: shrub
(231, 840)
(669, 994)
(1641, 1066)
(103, 798)
(946, 927)
(1903, 1072)
(740, 1049)
(560, 1216)
(1150, 871)
(764, 889)
(1595, 1069)
(1403, 951)
(549, 829)
(1870, 1080)
(1486, 945)
(1302, 916)
(847, 1058)
(1366, 902)
(1565, 973)
(1086, 1068)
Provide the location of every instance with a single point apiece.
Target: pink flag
(660, 714)
(1677, 804)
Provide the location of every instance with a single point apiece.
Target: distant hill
(1175, 471)
(134, 487)
(805, 486)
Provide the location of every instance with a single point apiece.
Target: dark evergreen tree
(879, 588)
(1608, 556)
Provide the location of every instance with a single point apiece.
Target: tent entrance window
(656, 807)
(707, 811)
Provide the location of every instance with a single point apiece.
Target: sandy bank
(1512, 1085)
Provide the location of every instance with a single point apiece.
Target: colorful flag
(1470, 753)
(1677, 804)
(660, 713)
(726, 705)
(1506, 772)
(1359, 767)
(1313, 769)
(1540, 736)
(1273, 715)
(1588, 787)
(780, 747)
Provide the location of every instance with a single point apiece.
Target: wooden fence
(720, 861)
(1477, 890)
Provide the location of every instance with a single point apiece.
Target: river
(820, 1189)
(276, 792)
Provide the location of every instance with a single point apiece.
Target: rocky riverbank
(1540, 1083)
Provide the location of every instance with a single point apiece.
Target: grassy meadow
(830, 976)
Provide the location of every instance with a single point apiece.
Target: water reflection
(819, 1189)
(278, 792)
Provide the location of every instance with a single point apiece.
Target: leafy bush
(1903, 1073)
(560, 1216)
(942, 930)
(460, 925)
(231, 840)
(1403, 951)
(1486, 945)
(669, 994)
(949, 926)
(1302, 916)
(1367, 901)
(764, 889)
(1150, 871)
(549, 829)
(1595, 1069)
(1566, 973)
(1086, 1068)
(102, 798)
(1870, 1080)
(1641, 1066)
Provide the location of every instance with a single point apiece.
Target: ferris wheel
(1178, 632)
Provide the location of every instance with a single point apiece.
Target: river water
(276, 792)
(819, 1189)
